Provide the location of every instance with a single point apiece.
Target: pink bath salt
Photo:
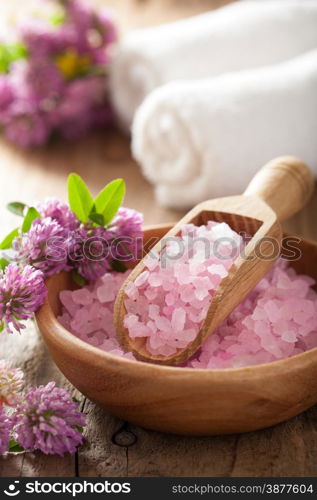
(66, 298)
(130, 321)
(82, 297)
(156, 341)
(202, 293)
(163, 323)
(118, 351)
(289, 336)
(108, 345)
(151, 261)
(196, 267)
(105, 293)
(189, 335)
(218, 270)
(185, 276)
(95, 341)
(155, 279)
(272, 310)
(178, 319)
(301, 287)
(170, 299)
(92, 322)
(187, 294)
(167, 286)
(304, 310)
(154, 311)
(168, 310)
(304, 330)
(151, 293)
(286, 310)
(131, 291)
(182, 274)
(140, 330)
(131, 306)
(65, 320)
(80, 320)
(310, 340)
(141, 279)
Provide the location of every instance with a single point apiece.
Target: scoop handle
(285, 184)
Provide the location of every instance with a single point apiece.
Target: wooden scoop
(278, 190)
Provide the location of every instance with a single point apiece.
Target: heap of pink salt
(88, 313)
(278, 319)
(168, 302)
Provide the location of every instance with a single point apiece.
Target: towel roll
(239, 36)
(204, 139)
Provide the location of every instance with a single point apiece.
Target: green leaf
(97, 218)
(109, 199)
(79, 428)
(80, 200)
(75, 400)
(4, 59)
(31, 215)
(3, 263)
(7, 241)
(15, 447)
(1, 326)
(16, 207)
(79, 280)
(118, 266)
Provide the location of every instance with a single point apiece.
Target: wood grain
(287, 449)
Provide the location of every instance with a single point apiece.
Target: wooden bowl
(181, 400)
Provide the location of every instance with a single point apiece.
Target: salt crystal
(218, 269)
(66, 298)
(131, 291)
(105, 294)
(82, 297)
(189, 334)
(163, 323)
(154, 311)
(273, 311)
(178, 319)
(201, 293)
(141, 279)
(289, 336)
(155, 279)
(155, 341)
(170, 299)
(130, 321)
(150, 293)
(151, 261)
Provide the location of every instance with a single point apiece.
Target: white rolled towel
(239, 36)
(204, 139)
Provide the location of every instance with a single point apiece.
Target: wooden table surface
(113, 447)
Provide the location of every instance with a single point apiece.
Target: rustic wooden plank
(100, 457)
(11, 466)
(288, 449)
